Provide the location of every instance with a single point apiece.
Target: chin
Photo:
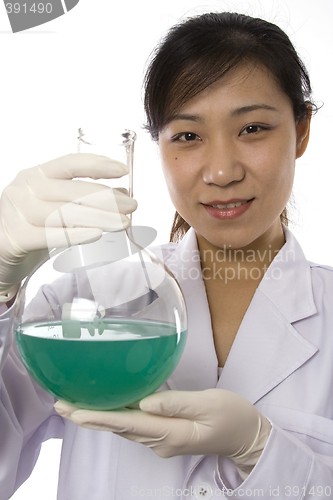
(223, 242)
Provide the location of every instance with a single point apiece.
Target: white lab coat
(281, 361)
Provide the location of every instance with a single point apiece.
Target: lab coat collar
(267, 348)
(287, 282)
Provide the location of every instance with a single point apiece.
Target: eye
(186, 137)
(253, 128)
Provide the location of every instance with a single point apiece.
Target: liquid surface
(104, 366)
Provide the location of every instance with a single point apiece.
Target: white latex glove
(47, 207)
(210, 422)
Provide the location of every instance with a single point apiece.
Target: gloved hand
(46, 207)
(210, 422)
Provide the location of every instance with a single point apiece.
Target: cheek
(277, 174)
(172, 174)
(176, 169)
(278, 160)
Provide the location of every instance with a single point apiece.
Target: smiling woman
(236, 143)
(181, 70)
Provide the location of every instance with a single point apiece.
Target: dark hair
(201, 50)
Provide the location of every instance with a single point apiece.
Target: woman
(248, 412)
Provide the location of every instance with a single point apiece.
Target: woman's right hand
(48, 207)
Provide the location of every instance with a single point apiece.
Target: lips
(227, 209)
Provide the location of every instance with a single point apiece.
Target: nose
(222, 164)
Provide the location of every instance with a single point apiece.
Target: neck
(240, 265)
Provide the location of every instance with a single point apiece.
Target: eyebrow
(252, 107)
(186, 117)
(234, 112)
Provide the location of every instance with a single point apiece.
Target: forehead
(247, 82)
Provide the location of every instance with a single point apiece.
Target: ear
(302, 134)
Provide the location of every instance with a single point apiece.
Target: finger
(64, 408)
(33, 221)
(182, 404)
(150, 442)
(110, 200)
(59, 190)
(166, 436)
(72, 216)
(83, 165)
(50, 214)
(133, 422)
(35, 238)
(123, 190)
(73, 166)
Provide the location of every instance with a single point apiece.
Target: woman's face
(228, 157)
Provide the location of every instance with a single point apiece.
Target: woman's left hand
(213, 421)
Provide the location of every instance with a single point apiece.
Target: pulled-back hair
(201, 50)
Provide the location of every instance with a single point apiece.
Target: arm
(252, 453)
(44, 207)
(24, 415)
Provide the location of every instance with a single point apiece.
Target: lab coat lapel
(198, 367)
(268, 347)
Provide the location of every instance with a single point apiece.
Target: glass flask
(102, 325)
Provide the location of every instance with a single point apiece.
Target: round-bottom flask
(102, 325)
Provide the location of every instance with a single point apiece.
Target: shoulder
(322, 281)
(321, 268)
(293, 254)
(321, 272)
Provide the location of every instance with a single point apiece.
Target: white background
(88, 65)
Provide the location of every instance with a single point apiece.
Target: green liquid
(109, 367)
